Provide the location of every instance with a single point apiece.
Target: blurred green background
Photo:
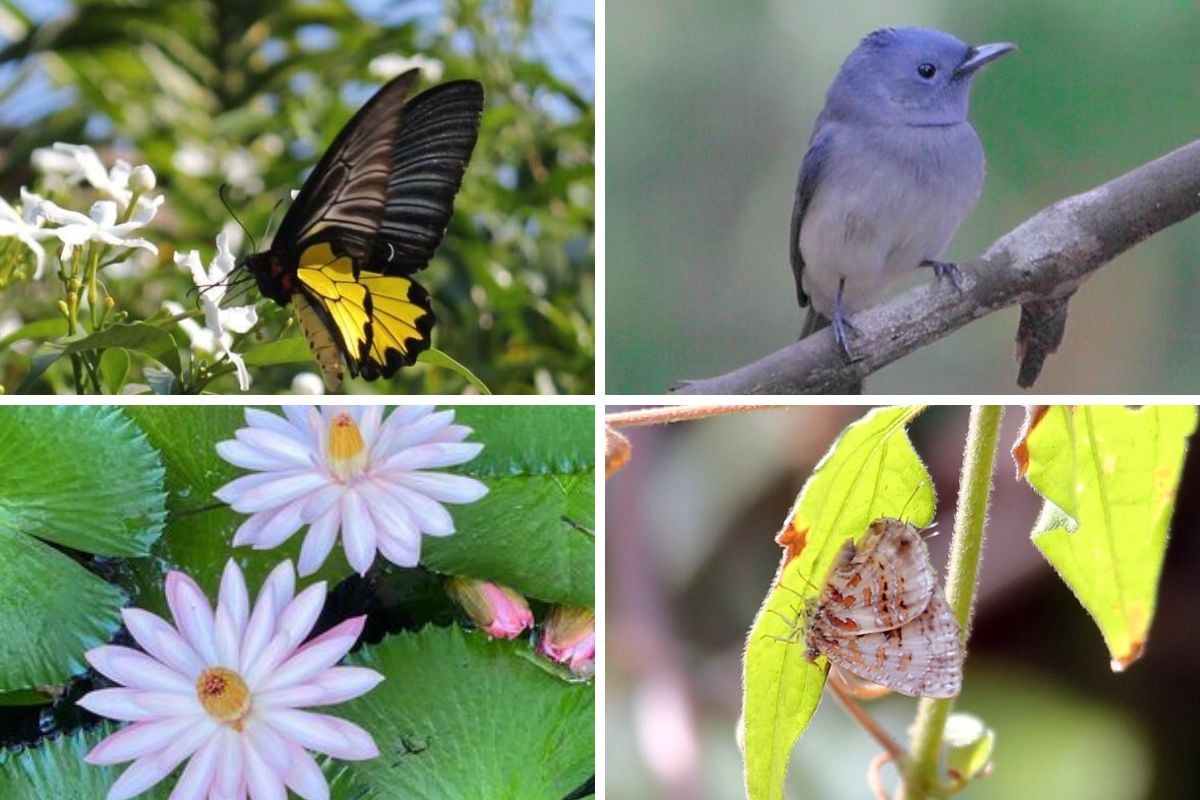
(709, 112)
(250, 94)
(691, 521)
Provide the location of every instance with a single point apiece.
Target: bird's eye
(926, 71)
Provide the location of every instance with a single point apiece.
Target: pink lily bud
(570, 638)
(496, 609)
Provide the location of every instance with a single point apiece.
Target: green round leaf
(79, 476)
(84, 478)
(462, 715)
(534, 531)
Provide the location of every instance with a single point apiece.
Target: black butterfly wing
(374, 211)
(384, 191)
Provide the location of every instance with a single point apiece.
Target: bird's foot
(946, 269)
(842, 328)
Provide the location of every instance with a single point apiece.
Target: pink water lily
(348, 471)
(223, 690)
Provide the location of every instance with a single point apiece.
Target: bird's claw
(946, 269)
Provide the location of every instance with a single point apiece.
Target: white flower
(348, 469)
(389, 65)
(79, 162)
(99, 225)
(26, 226)
(219, 322)
(224, 690)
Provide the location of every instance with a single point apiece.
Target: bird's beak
(978, 56)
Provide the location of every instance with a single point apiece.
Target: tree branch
(1044, 259)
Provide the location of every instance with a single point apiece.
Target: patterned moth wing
(882, 615)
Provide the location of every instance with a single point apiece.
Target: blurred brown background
(690, 525)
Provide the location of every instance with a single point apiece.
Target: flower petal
(314, 657)
(140, 739)
(283, 487)
(133, 705)
(394, 427)
(292, 625)
(432, 455)
(136, 670)
(230, 781)
(445, 488)
(334, 685)
(325, 734)
(197, 776)
(261, 779)
(304, 777)
(158, 638)
(322, 533)
(431, 517)
(193, 615)
(358, 533)
(418, 431)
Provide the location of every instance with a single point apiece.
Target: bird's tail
(813, 322)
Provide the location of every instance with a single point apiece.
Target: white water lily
(219, 323)
(222, 689)
(348, 470)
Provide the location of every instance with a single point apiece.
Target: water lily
(348, 470)
(223, 690)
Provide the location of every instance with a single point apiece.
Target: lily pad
(82, 478)
(463, 715)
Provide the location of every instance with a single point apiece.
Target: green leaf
(870, 472)
(534, 531)
(114, 366)
(82, 477)
(147, 339)
(290, 350)
(41, 329)
(530, 440)
(439, 359)
(1109, 476)
(462, 715)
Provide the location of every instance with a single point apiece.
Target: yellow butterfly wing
(379, 323)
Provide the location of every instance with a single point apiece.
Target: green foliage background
(268, 84)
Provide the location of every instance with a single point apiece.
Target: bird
(892, 169)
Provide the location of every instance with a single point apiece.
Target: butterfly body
(371, 214)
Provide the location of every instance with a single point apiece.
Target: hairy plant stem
(966, 548)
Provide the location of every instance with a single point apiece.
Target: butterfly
(882, 615)
(371, 214)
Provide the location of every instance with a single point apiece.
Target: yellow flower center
(347, 453)
(224, 695)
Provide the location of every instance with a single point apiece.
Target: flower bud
(496, 609)
(570, 638)
(142, 179)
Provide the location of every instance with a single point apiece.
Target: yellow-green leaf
(1109, 475)
(870, 472)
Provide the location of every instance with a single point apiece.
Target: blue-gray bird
(892, 169)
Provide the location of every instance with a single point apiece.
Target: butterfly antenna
(271, 219)
(223, 193)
